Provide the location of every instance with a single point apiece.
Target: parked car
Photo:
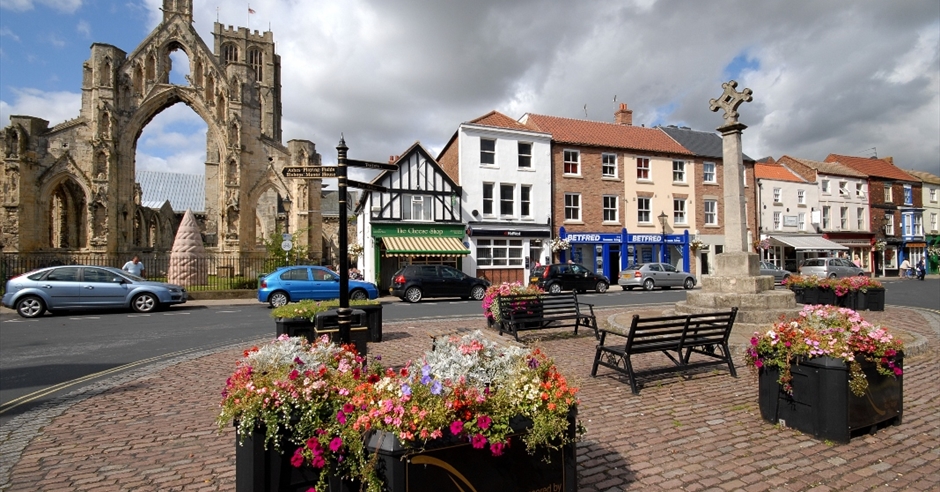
(830, 268)
(779, 274)
(296, 283)
(87, 287)
(652, 275)
(415, 282)
(571, 276)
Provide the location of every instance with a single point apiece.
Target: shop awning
(808, 244)
(424, 246)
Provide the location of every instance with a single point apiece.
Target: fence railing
(224, 271)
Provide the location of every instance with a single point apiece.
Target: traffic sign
(365, 186)
(371, 165)
(286, 237)
(287, 245)
(309, 172)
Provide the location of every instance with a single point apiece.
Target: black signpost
(344, 313)
(309, 172)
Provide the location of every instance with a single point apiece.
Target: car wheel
(554, 288)
(413, 294)
(278, 298)
(477, 293)
(648, 284)
(30, 307)
(689, 283)
(624, 287)
(601, 287)
(145, 303)
(832, 275)
(358, 295)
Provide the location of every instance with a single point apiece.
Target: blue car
(87, 287)
(296, 283)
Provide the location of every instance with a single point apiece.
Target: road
(54, 355)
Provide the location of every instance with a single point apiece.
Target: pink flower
(293, 375)
(478, 441)
(483, 422)
(298, 458)
(341, 417)
(497, 448)
(456, 427)
(336, 444)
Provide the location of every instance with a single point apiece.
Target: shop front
(397, 245)
(506, 254)
(607, 253)
(790, 251)
(660, 248)
(860, 250)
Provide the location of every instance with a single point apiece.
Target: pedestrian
(857, 261)
(905, 268)
(921, 269)
(135, 267)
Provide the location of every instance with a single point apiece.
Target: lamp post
(662, 220)
(286, 203)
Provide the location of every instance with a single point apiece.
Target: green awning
(424, 246)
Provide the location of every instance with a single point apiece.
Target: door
(454, 283)
(102, 288)
(296, 282)
(656, 273)
(63, 287)
(671, 275)
(325, 284)
(581, 278)
(613, 262)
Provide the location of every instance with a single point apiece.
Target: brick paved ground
(155, 429)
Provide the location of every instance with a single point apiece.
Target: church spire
(183, 8)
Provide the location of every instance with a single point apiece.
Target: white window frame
(525, 201)
(933, 222)
(889, 225)
(611, 208)
(491, 154)
(826, 217)
(425, 208)
(889, 194)
(499, 252)
(643, 167)
(778, 223)
(777, 195)
(918, 224)
(860, 211)
(608, 165)
(709, 169)
(844, 218)
(824, 185)
(525, 159)
(573, 207)
(801, 197)
(571, 158)
(908, 195)
(505, 201)
(844, 189)
(710, 214)
(801, 221)
(678, 171)
(859, 190)
(488, 201)
(933, 194)
(679, 216)
(647, 210)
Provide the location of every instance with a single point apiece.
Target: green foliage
(309, 309)
(277, 257)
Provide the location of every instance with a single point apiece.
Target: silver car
(87, 287)
(779, 274)
(652, 275)
(830, 268)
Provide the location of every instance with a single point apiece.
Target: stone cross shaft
(729, 101)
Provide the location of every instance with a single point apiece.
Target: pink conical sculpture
(189, 264)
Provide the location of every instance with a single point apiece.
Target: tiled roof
(872, 166)
(184, 191)
(777, 172)
(925, 176)
(826, 167)
(498, 120)
(702, 144)
(600, 134)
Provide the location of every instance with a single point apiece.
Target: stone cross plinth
(737, 282)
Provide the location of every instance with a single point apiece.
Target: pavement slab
(154, 428)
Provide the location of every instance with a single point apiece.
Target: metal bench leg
(727, 352)
(630, 374)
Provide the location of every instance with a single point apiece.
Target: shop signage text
(587, 237)
(417, 230)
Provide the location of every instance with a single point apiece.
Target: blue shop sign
(590, 237)
(656, 238)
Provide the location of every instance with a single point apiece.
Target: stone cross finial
(730, 101)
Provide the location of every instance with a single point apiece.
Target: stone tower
(71, 187)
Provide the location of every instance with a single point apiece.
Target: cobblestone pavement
(154, 429)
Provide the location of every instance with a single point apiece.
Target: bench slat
(530, 312)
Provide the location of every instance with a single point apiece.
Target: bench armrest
(603, 334)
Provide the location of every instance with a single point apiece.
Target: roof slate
(763, 170)
(601, 134)
(826, 167)
(872, 166)
(498, 120)
(184, 191)
(925, 176)
(702, 144)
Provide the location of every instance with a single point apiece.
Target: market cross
(729, 101)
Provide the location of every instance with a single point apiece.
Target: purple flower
(425, 374)
(298, 361)
(436, 387)
(405, 389)
(533, 363)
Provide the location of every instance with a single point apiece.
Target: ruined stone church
(71, 188)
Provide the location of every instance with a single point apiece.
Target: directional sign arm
(371, 165)
(365, 186)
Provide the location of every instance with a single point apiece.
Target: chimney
(392, 159)
(890, 160)
(623, 116)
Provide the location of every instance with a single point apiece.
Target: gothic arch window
(152, 233)
(256, 61)
(138, 79)
(66, 215)
(105, 76)
(229, 53)
(101, 165)
(151, 67)
(210, 88)
(105, 125)
(231, 173)
(220, 108)
(199, 76)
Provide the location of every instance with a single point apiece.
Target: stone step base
(771, 299)
(747, 315)
(738, 285)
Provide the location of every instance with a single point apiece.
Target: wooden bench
(522, 312)
(704, 334)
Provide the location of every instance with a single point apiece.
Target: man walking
(135, 267)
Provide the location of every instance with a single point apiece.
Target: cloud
(64, 6)
(54, 107)
(6, 32)
(83, 28)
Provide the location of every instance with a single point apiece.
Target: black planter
(874, 299)
(827, 297)
(822, 405)
(373, 314)
(326, 323)
(799, 294)
(849, 300)
(441, 464)
(259, 469)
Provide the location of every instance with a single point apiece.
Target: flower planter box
(822, 405)
(799, 293)
(373, 315)
(327, 323)
(872, 300)
(849, 300)
(443, 463)
(259, 469)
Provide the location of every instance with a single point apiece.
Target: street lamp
(662, 220)
(286, 203)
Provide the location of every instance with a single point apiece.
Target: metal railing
(224, 271)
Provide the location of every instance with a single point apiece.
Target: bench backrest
(525, 307)
(662, 332)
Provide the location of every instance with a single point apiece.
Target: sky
(855, 78)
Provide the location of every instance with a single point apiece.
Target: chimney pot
(624, 116)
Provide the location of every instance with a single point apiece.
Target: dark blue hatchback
(296, 283)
